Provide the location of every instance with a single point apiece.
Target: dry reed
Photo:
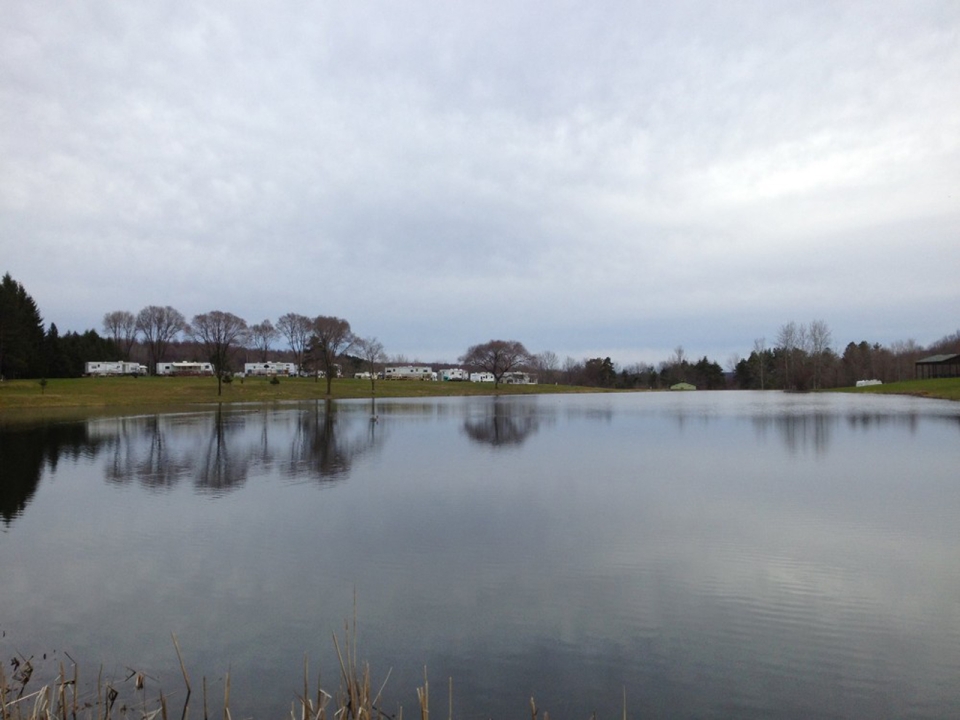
(62, 699)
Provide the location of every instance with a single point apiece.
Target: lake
(707, 555)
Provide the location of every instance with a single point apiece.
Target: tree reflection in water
(223, 467)
(25, 452)
(327, 441)
(503, 423)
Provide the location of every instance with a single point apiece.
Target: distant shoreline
(81, 397)
(25, 400)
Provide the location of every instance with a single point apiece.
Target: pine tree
(21, 332)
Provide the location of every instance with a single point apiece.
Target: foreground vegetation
(63, 698)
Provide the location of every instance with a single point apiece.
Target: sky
(590, 178)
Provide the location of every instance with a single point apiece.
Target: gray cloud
(580, 177)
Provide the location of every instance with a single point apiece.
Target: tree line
(801, 357)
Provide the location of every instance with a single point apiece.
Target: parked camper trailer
(270, 369)
(453, 374)
(184, 368)
(518, 378)
(410, 372)
(482, 377)
(99, 368)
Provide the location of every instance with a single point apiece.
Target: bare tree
(905, 354)
(296, 328)
(330, 338)
(159, 327)
(218, 331)
(679, 363)
(121, 326)
(547, 364)
(371, 352)
(760, 348)
(572, 370)
(787, 343)
(497, 357)
(262, 334)
(819, 341)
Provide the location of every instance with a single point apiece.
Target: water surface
(713, 555)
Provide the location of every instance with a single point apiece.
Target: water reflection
(684, 550)
(801, 433)
(24, 453)
(502, 424)
(327, 441)
(216, 451)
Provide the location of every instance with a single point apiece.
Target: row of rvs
(425, 372)
(273, 369)
(103, 369)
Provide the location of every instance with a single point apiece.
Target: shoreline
(77, 398)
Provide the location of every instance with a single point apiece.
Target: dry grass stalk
(354, 700)
(226, 697)
(423, 696)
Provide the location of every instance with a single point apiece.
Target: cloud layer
(613, 178)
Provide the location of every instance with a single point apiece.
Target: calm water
(712, 554)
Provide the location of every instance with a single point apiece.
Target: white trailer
(184, 368)
(105, 368)
(410, 372)
(482, 377)
(518, 378)
(453, 374)
(270, 369)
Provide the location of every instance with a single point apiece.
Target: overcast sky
(595, 178)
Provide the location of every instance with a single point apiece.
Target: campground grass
(82, 397)
(942, 388)
(91, 394)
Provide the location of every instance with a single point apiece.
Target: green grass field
(86, 395)
(80, 397)
(943, 388)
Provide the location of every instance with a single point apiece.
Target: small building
(270, 369)
(409, 372)
(101, 368)
(938, 366)
(683, 386)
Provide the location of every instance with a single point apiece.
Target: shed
(938, 366)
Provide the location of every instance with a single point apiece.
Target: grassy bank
(91, 394)
(943, 388)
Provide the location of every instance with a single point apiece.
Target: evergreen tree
(21, 332)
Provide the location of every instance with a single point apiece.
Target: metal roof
(935, 359)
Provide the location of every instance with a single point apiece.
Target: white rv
(409, 372)
(482, 377)
(453, 374)
(99, 368)
(270, 369)
(518, 378)
(184, 368)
